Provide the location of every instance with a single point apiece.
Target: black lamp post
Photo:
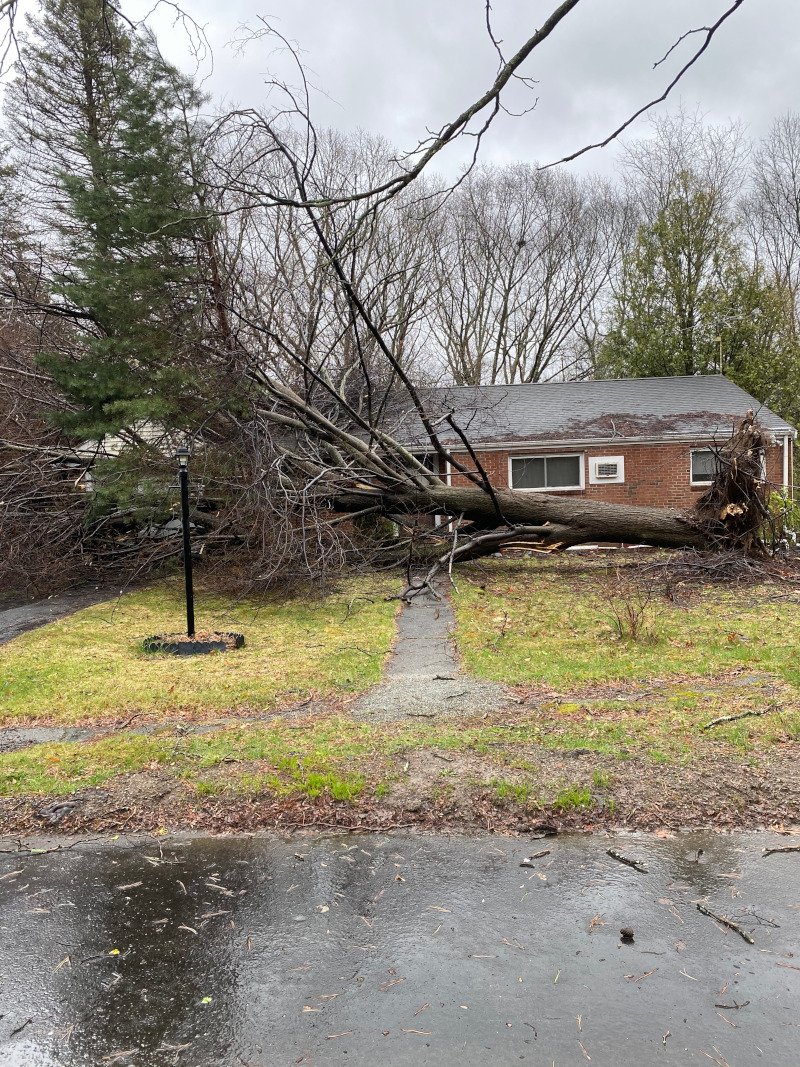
(182, 455)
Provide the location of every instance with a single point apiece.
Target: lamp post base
(197, 645)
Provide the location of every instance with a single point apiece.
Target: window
(704, 466)
(429, 460)
(546, 472)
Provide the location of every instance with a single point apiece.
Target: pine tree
(66, 95)
(106, 115)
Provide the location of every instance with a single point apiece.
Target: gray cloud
(397, 67)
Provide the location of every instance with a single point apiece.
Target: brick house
(642, 441)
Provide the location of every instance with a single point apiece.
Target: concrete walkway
(19, 618)
(423, 676)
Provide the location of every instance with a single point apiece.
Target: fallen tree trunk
(542, 518)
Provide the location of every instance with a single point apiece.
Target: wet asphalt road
(387, 949)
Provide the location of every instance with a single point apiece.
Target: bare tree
(772, 210)
(684, 150)
(524, 256)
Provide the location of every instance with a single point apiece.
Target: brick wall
(656, 475)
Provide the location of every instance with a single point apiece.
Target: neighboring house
(633, 440)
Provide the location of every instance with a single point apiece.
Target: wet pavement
(390, 949)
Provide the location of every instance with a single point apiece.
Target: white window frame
(581, 456)
(692, 451)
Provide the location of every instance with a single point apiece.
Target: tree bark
(543, 517)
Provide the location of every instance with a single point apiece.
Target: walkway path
(21, 617)
(423, 677)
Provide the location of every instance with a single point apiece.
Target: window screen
(527, 473)
(704, 465)
(546, 472)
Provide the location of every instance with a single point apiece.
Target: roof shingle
(704, 406)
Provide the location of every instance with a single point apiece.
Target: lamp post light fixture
(182, 455)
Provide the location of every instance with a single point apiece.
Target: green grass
(602, 779)
(517, 792)
(90, 665)
(558, 631)
(69, 767)
(281, 754)
(573, 798)
(338, 757)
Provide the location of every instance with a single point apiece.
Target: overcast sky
(397, 67)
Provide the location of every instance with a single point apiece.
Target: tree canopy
(690, 300)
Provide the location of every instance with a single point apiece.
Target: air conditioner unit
(605, 469)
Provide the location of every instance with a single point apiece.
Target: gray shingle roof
(699, 406)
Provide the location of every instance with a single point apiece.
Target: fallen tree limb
(784, 848)
(535, 518)
(744, 715)
(726, 922)
(638, 865)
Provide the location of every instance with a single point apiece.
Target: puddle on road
(386, 949)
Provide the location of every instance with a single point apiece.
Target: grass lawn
(518, 765)
(609, 728)
(90, 666)
(549, 623)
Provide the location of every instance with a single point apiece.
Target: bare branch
(709, 34)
